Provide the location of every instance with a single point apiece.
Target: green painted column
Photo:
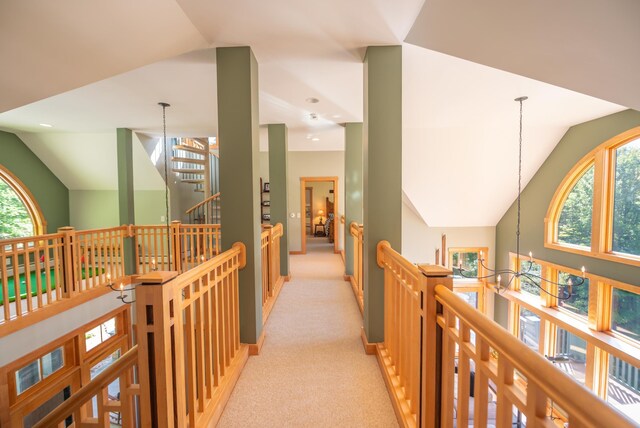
(125, 192)
(382, 172)
(278, 151)
(352, 186)
(240, 175)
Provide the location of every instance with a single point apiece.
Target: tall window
(626, 199)
(19, 213)
(596, 209)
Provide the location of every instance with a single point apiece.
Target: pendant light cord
(166, 175)
(521, 99)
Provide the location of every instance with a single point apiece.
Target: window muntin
(100, 334)
(574, 224)
(625, 313)
(615, 218)
(578, 303)
(626, 199)
(39, 369)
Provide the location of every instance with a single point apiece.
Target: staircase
(196, 161)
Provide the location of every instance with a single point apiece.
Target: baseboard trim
(287, 278)
(296, 252)
(347, 278)
(255, 348)
(396, 393)
(369, 348)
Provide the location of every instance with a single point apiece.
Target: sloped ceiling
(78, 160)
(49, 47)
(459, 118)
(589, 46)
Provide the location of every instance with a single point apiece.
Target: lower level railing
(446, 364)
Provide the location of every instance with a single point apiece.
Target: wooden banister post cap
(156, 278)
(66, 229)
(434, 270)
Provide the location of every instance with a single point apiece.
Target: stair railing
(207, 211)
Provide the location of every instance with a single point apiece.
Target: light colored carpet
(312, 371)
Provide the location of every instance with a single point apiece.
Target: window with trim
(596, 209)
(594, 336)
(20, 215)
(472, 290)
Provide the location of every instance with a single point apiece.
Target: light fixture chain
(166, 175)
(519, 189)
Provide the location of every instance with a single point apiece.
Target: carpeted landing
(312, 371)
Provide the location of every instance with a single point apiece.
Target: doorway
(319, 205)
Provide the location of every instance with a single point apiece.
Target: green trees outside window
(574, 226)
(15, 221)
(626, 200)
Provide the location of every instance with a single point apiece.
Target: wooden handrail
(198, 205)
(579, 402)
(90, 390)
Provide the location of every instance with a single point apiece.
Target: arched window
(20, 214)
(596, 209)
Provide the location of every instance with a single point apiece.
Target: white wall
(420, 241)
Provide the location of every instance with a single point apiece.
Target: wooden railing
(207, 211)
(189, 339)
(357, 280)
(457, 347)
(80, 411)
(38, 273)
(272, 278)
(194, 243)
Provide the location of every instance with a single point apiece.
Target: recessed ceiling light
(312, 100)
(46, 125)
(315, 139)
(313, 116)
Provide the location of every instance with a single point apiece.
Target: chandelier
(525, 271)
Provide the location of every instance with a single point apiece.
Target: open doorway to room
(319, 207)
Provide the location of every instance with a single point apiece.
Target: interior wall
(312, 164)
(536, 197)
(51, 195)
(420, 241)
(92, 209)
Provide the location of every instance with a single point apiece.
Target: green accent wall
(126, 204)
(51, 195)
(278, 170)
(352, 187)
(238, 131)
(382, 172)
(536, 197)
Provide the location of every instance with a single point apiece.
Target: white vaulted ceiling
(91, 67)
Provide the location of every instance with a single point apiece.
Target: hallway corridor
(312, 370)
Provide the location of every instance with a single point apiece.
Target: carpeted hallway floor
(312, 371)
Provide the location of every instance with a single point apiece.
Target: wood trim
(255, 348)
(287, 278)
(369, 348)
(400, 406)
(602, 158)
(303, 183)
(55, 308)
(347, 278)
(296, 253)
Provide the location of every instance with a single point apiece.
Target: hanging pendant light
(532, 277)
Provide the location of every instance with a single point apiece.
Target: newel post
(69, 261)
(154, 323)
(176, 246)
(431, 349)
